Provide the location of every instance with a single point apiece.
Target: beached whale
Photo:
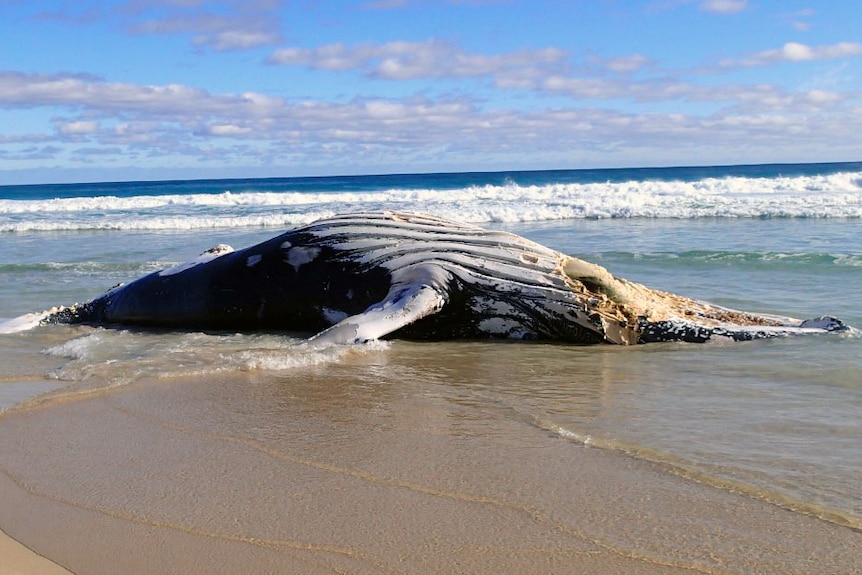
(360, 277)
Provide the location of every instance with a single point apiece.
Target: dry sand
(315, 474)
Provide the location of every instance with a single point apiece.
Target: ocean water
(778, 420)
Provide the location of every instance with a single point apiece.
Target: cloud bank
(425, 104)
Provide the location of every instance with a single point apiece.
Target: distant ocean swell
(837, 195)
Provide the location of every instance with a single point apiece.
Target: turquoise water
(778, 419)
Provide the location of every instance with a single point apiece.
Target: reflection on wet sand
(413, 460)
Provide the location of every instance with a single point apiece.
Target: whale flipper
(403, 305)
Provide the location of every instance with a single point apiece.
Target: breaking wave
(836, 195)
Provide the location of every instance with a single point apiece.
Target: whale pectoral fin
(403, 305)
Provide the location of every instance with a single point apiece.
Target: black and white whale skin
(360, 277)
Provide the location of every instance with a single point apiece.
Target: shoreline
(312, 472)
(18, 559)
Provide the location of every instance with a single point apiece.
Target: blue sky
(161, 89)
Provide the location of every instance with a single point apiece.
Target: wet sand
(321, 472)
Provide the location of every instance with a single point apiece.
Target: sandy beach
(317, 472)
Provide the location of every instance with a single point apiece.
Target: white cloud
(6, 139)
(77, 128)
(219, 24)
(400, 60)
(532, 104)
(331, 57)
(128, 100)
(222, 25)
(228, 130)
(823, 97)
(795, 52)
(173, 123)
(586, 88)
(724, 6)
(226, 40)
(627, 64)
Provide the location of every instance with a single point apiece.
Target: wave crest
(837, 195)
